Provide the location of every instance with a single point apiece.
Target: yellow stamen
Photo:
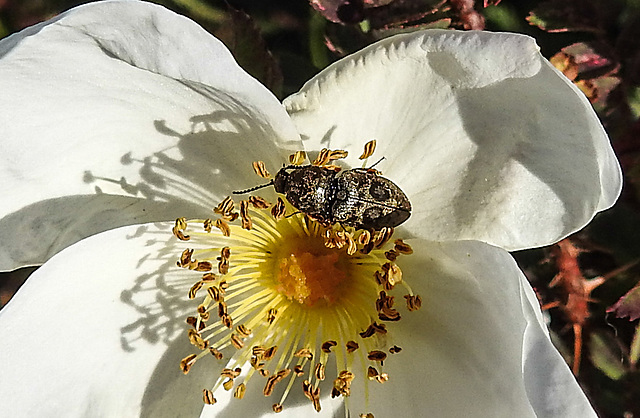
(303, 296)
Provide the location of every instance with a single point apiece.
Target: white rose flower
(120, 115)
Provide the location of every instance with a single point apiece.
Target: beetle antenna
(376, 163)
(262, 186)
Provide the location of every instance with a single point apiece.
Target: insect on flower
(359, 197)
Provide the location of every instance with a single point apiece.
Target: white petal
(485, 137)
(545, 379)
(129, 99)
(471, 349)
(99, 331)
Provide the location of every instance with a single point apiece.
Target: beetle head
(280, 181)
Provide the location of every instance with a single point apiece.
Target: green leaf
(634, 354)
(605, 357)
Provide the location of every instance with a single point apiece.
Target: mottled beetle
(358, 197)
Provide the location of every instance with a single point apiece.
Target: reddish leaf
(628, 305)
(591, 70)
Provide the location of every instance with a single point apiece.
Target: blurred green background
(588, 284)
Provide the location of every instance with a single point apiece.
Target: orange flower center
(310, 273)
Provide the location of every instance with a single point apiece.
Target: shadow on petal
(204, 164)
(170, 392)
(513, 169)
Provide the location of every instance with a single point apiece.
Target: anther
(258, 202)
(243, 331)
(402, 247)
(413, 302)
(192, 320)
(225, 207)
(197, 340)
(391, 255)
(231, 373)
(377, 355)
(312, 394)
(369, 148)
(269, 353)
(215, 353)
(364, 237)
(194, 289)
(304, 353)
(237, 341)
(278, 210)
(319, 371)
(223, 227)
(178, 229)
(240, 390)
(244, 215)
(297, 158)
(187, 362)
(383, 236)
(207, 397)
(327, 345)
(338, 154)
(227, 321)
(271, 315)
(260, 169)
(214, 293)
(222, 309)
(228, 384)
(373, 374)
(208, 277)
(322, 158)
(373, 329)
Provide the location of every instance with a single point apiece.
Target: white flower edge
(487, 139)
(73, 339)
(121, 112)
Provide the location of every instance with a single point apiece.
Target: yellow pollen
(310, 274)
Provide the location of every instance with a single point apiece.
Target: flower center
(310, 273)
(286, 297)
